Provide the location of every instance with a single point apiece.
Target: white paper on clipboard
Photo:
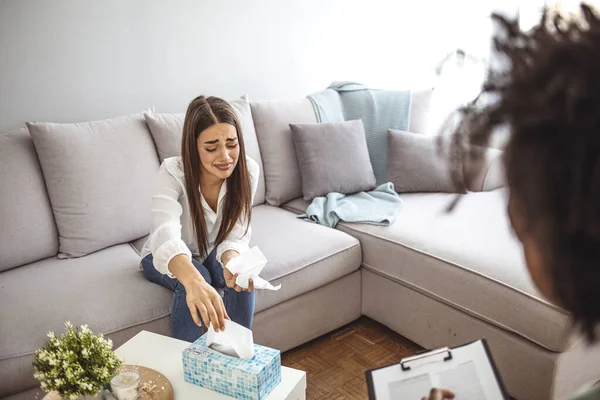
(468, 371)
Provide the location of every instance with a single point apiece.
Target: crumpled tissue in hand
(248, 265)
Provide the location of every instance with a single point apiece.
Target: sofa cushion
(491, 175)
(96, 204)
(167, 130)
(28, 231)
(272, 119)
(302, 256)
(333, 157)
(105, 290)
(415, 164)
(469, 259)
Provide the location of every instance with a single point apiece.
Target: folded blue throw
(377, 207)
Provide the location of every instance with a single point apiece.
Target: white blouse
(173, 232)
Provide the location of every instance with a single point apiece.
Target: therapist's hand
(439, 394)
(229, 277)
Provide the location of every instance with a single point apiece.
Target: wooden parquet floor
(335, 364)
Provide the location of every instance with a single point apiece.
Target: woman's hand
(229, 277)
(439, 394)
(199, 295)
(203, 298)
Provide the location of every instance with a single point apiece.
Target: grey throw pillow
(100, 177)
(333, 157)
(167, 130)
(415, 165)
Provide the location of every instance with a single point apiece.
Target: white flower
(61, 363)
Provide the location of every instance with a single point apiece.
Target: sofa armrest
(491, 176)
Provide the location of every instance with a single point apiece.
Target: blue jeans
(239, 306)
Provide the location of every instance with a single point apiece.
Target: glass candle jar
(126, 383)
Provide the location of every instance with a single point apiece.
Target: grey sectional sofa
(437, 279)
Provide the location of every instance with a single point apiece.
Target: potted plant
(76, 364)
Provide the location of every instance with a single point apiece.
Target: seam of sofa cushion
(22, 391)
(27, 353)
(357, 244)
(462, 267)
(487, 173)
(134, 249)
(291, 209)
(460, 308)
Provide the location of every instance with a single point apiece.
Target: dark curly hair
(547, 96)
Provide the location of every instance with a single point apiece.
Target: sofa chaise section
(443, 279)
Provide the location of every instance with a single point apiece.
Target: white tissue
(235, 340)
(248, 265)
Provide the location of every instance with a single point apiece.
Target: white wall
(74, 60)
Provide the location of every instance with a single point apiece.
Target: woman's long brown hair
(202, 113)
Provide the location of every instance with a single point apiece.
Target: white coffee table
(163, 354)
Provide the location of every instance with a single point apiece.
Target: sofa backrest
(272, 119)
(27, 229)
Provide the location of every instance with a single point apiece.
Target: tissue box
(242, 379)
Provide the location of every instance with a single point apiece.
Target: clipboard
(439, 362)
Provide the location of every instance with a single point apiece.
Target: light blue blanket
(377, 207)
(379, 110)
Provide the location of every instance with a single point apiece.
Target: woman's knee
(182, 323)
(148, 267)
(203, 271)
(179, 305)
(154, 276)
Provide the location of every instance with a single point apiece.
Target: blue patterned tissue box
(241, 379)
